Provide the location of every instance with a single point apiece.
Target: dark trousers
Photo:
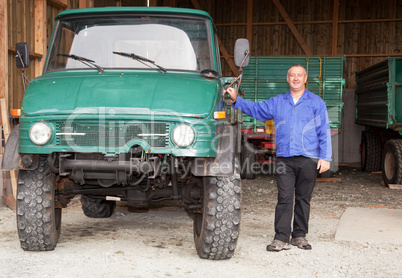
(295, 178)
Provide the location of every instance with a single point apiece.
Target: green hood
(184, 94)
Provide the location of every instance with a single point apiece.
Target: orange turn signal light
(16, 112)
(219, 115)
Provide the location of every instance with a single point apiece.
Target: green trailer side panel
(265, 77)
(379, 95)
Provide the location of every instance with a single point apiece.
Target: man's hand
(323, 165)
(232, 93)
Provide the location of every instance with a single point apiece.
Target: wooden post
(3, 49)
(9, 199)
(335, 28)
(40, 34)
(62, 4)
(249, 34)
(86, 4)
(293, 28)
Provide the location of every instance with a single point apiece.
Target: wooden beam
(335, 28)
(222, 48)
(62, 4)
(40, 34)
(249, 34)
(373, 55)
(293, 28)
(3, 49)
(32, 54)
(153, 3)
(169, 3)
(85, 4)
(228, 58)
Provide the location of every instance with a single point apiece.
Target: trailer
(265, 77)
(379, 109)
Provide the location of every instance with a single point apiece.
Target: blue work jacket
(301, 128)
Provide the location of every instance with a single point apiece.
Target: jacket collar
(306, 94)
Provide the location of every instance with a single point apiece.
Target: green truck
(130, 107)
(379, 109)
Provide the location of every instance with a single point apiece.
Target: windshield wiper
(139, 59)
(85, 61)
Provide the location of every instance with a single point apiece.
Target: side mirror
(22, 55)
(241, 53)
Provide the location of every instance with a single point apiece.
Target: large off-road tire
(392, 162)
(38, 219)
(370, 152)
(247, 160)
(216, 227)
(97, 208)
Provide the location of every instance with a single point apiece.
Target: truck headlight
(40, 133)
(183, 135)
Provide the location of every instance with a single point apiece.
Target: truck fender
(224, 162)
(11, 155)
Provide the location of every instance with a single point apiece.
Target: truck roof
(164, 10)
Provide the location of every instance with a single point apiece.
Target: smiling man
(303, 140)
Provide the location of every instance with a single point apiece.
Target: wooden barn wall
(313, 19)
(21, 28)
(368, 30)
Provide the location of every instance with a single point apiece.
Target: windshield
(169, 42)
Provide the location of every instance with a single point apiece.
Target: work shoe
(277, 245)
(300, 242)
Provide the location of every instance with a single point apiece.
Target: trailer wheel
(97, 208)
(392, 162)
(38, 219)
(370, 152)
(216, 226)
(247, 160)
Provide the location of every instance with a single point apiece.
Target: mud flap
(11, 155)
(224, 162)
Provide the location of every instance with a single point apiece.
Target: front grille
(111, 133)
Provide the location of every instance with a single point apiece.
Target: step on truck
(130, 107)
(379, 109)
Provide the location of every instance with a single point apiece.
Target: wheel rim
(389, 165)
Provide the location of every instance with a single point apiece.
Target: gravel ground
(160, 243)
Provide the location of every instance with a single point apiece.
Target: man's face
(297, 78)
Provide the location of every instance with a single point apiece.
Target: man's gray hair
(298, 65)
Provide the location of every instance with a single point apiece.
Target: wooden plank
(32, 54)
(329, 180)
(40, 34)
(3, 49)
(8, 198)
(313, 22)
(86, 4)
(153, 3)
(395, 186)
(249, 32)
(293, 28)
(335, 27)
(62, 4)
